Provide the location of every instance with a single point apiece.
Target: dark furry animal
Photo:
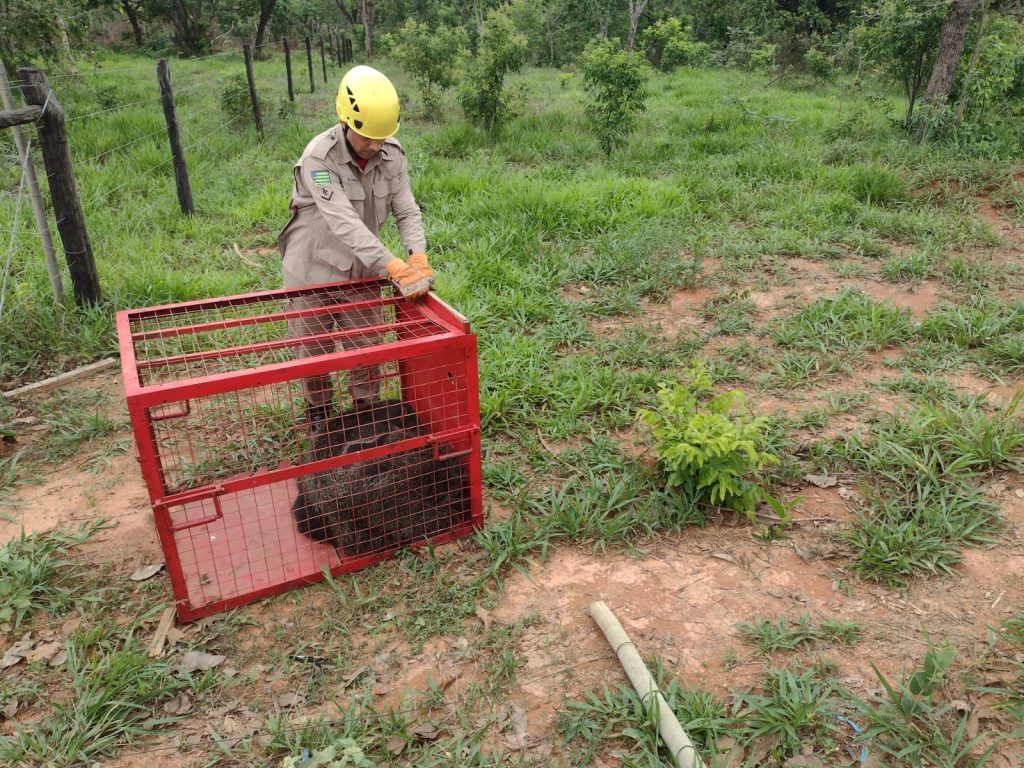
(382, 504)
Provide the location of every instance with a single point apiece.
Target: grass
(850, 321)
(115, 692)
(924, 503)
(35, 575)
(769, 637)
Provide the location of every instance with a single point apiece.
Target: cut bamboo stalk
(672, 733)
(61, 379)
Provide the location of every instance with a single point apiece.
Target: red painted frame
(455, 339)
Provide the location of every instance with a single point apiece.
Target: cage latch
(442, 440)
(203, 494)
(186, 409)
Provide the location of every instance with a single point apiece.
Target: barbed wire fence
(194, 133)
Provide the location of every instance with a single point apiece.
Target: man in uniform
(346, 182)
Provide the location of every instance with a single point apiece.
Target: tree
(951, 48)
(29, 29)
(636, 9)
(501, 49)
(614, 81)
(366, 11)
(192, 21)
(132, 12)
(901, 37)
(431, 58)
(266, 11)
(668, 43)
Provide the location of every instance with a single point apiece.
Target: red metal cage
(255, 490)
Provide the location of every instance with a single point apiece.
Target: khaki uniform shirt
(338, 211)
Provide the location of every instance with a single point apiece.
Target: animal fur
(382, 504)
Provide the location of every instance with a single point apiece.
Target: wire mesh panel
(285, 432)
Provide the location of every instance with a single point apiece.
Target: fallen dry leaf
(144, 572)
(179, 705)
(290, 699)
(426, 731)
(44, 651)
(10, 708)
(804, 761)
(396, 744)
(198, 661)
(484, 616)
(18, 651)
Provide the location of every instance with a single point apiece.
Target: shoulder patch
(323, 144)
(321, 177)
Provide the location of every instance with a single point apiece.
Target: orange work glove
(419, 261)
(411, 282)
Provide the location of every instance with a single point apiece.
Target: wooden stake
(42, 226)
(252, 90)
(309, 62)
(67, 206)
(163, 77)
(288, 67)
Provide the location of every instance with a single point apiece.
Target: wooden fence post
(337, 46)
(67, 206)
(163, 78)
(252, 90)
(309, 62)
(288, 68)
(330, 46)
(38, 209)
(323, 60)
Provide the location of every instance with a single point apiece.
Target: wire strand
(14, 226)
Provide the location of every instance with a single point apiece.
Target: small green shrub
(235, 101)
(818, 64)
(668, 44)
(500, 50)
(614, 81)
(708, 453)
(431, 58)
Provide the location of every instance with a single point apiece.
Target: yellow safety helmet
(368, 103)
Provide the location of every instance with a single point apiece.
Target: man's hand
(411, 281)
(419, 261)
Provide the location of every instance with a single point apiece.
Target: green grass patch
(115, 695)
(850, 321)
(782, 635)
(36, 574)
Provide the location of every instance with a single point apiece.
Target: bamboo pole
(679, 744)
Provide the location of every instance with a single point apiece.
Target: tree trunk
(951, 47)
(351, 15)
(65, 44)
(367, 6)
(962, 106)
(266, 9)
(133, 19)
(636, 9)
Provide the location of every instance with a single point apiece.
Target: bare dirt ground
(680, 598)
